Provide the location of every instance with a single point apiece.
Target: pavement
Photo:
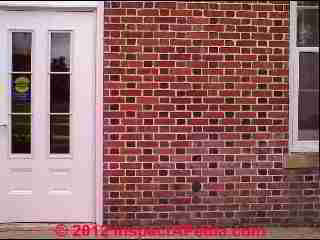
(73, 231)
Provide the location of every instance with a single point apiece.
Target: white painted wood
(294, 144)
(45, 188)
(99, 113)
(51, 4)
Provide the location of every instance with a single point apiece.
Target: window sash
(296, 145)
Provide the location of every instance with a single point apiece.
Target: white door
(47, 114)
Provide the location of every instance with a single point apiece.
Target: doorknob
(3, 124)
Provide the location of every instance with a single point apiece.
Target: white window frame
(294, 144)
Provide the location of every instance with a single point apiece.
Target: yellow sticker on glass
(1, 89)
(22, 84)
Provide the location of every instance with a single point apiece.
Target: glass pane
(60, 52)
(308, 3)
(59, 134)
(308, 115)
(21, 93)
(309, 70)
(21, 134)
(308, 28)
(21, 51)
(60, 93)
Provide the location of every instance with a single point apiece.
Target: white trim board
(98, 7)
(26, 5)
(99, 113)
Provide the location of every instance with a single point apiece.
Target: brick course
(196, 116)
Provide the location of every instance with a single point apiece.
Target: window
(20, 92)
(60, 73)
(304, 76)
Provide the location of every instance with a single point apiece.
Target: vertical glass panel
(308, 123)
(59, 134)
(60, 93)
(21, 51)
(21, 134)
(60, 52)
(21, 93)
(308, 28)
(309, 70)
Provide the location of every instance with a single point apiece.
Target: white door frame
(98, 7)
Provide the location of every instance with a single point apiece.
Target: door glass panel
(60, 75)
(21, 93)
(60, 93)
(21, 51)
(59, 134)
(21, 134)
(60, 52)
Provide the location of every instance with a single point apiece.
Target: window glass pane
(21, 134)
(308, 3)
(21, 93)
(60, 52)
(308, 28)
(59, 134)
(21, 51)
(308, 123)
(309, 70)
(60, 93)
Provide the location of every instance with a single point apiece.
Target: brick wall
(196, 116)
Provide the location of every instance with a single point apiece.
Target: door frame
(98, 8)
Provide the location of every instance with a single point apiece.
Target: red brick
(181, 12)
(165, 19)
(131, 19)
(230, 50)
(246, 14)
(131, 4)
(198, 20)
(197, 35)
(230, 6)
(263, 7)
(110, 12)
(246, 29)
(283, 14)
(148, 12)
(180, 27)
(279, 29)
(114, 26)
(148, 27)
(212, 13)
(213, 28)
(225, 35)
(185, 64)
(171, 5)
(197, 5)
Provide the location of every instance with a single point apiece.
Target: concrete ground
(51, 231)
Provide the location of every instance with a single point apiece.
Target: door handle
(3, 124)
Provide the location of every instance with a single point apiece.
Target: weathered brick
(197, 92)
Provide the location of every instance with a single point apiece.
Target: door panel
(47, 98)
